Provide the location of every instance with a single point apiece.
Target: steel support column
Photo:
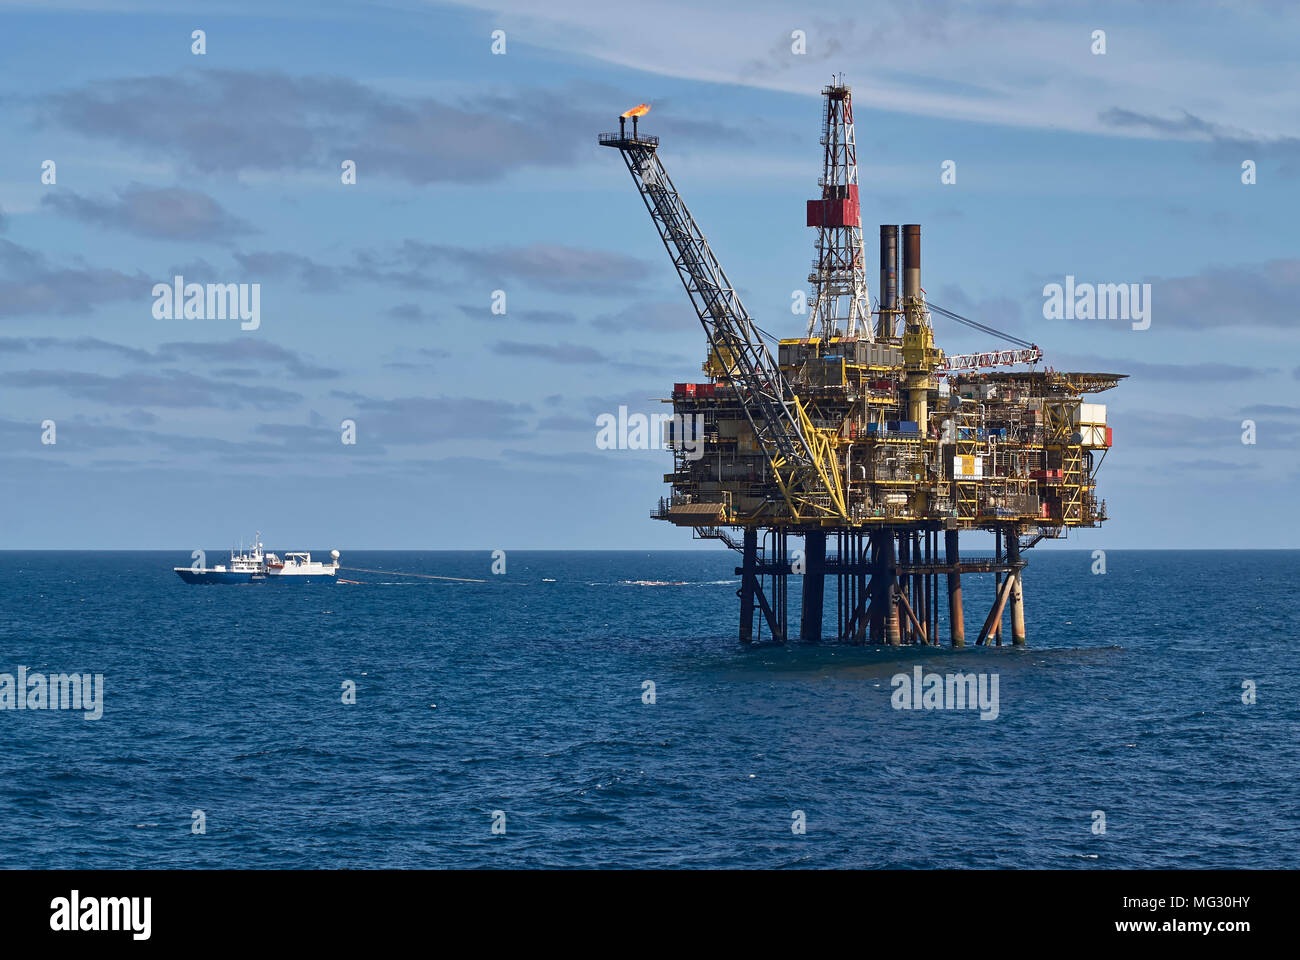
(862, 552)
(814, 586)
(749, 560)
(889, 587)
(905, 631)
(952, 558)
(877, 588)
(1017, 589)
(997, 583)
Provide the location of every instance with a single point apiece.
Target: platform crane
(1021, 351)
(801, 455)
(993, 358)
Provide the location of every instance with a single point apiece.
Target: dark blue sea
(228, 700)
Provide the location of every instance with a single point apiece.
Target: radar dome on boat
(334, 554)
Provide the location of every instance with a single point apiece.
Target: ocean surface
(228, 700)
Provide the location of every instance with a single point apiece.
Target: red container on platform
(1110, 437)
(704, 389)
(836, 211)
(679, 389)
(833, 213)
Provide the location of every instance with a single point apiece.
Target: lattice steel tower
(840, 305)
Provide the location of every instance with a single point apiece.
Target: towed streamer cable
(423, 576)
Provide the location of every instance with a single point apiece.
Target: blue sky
(479, 172)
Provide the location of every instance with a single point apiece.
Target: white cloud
(1007, 64)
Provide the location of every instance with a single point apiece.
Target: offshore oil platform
(863, 431)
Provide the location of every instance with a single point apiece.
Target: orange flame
(638, 111)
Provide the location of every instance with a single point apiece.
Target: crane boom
(1022, 351)
(801, 455)
(992, 358)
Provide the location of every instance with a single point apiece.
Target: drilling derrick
(839, 283)
(872, 438)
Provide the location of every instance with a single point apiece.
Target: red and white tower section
(840, 306)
